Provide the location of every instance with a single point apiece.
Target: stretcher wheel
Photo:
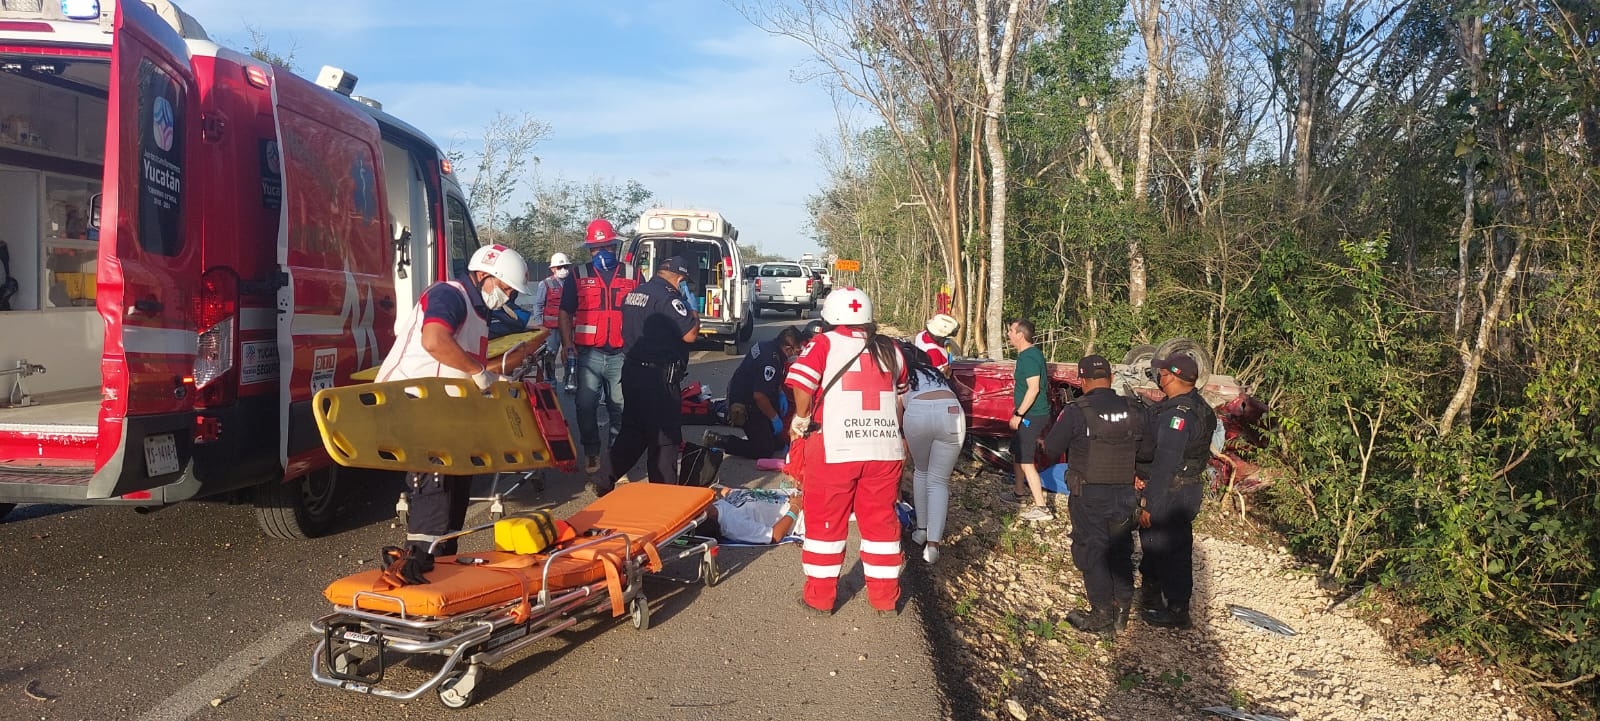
(709, 571)
(345, 662)
(639, 610)
(460, 689)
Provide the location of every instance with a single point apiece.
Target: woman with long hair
(846, 384)
(934, 427)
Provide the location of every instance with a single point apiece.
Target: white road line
(216, 683)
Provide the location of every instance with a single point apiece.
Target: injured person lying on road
(755, 516)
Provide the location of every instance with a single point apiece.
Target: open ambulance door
(149, 258)
(336, 304)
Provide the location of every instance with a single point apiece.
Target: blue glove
(777, 426)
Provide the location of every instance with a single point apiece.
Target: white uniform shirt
(408, 359)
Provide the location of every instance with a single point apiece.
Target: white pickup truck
(789, 286)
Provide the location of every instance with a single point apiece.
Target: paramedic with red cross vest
(1180, 428)
(591, 322)
(932, 340)
(446, 335)
(1100, 432)
(845, 387)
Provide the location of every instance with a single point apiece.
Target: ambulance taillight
(216, 317)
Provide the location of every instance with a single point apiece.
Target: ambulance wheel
(747, 331)
(459, 689)
(298, 509)
(639, 612)
(709, 571)
(756, 311)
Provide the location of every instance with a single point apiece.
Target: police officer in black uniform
(1178, 446)
(755, 394)
(1100, 433)
(657, 330)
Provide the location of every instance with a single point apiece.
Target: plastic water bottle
(1027, 422)
(572, 366)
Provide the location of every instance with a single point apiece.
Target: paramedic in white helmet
(547, 309)
(932, 340)
(447, 336)
(846, 384)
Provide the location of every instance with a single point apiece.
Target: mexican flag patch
(1177, 423)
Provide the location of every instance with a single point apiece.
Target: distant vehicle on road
(785, 285)
(824, 282)
(710, 244)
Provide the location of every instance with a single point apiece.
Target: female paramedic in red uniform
(845, 384)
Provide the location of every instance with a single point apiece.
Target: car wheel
(1191, 348)
(756, 311)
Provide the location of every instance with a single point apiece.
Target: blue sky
(685, 96)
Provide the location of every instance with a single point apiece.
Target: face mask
(495, 299)
(605, 259)
(561, 273)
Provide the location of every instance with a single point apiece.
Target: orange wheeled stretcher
(478, 608)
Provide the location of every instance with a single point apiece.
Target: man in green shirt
(1030, 413)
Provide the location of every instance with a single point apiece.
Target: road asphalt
(190, 613)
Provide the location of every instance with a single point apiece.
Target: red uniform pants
(832, 492)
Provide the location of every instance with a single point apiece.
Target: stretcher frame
(485, 636)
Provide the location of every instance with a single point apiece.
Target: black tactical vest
(1197, 452)
(1106, 453)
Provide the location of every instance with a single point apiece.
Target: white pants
(935, 429)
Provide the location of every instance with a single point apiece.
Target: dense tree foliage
(1382, 215)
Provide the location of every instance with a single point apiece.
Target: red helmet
(599, 234)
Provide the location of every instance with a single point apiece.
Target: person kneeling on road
(755, 398)
(1100, 432)
(447, 336)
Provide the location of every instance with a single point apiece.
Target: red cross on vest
(871, 383)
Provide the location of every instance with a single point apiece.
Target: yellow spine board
(431, 425)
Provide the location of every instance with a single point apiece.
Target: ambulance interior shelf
(707, 279)
(52, 154)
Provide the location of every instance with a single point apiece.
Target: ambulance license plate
(160, 454)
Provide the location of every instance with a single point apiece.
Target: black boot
(1148, 596)
(1099, 621)
(1168, 617)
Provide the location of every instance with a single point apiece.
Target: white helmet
(849, 306)
(943, 326)
(503, 263)
(559, 259)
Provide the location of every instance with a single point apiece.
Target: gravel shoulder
(1003, 650)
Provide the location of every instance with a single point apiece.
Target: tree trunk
(1306, 35)
(1148, 13)
(995, 72)
(1472, 357)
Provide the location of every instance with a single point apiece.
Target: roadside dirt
(1003, 650)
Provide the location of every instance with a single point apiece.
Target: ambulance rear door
(149, 257)
(337, 303)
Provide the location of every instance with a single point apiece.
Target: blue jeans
(599, 373)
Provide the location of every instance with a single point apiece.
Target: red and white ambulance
(199, 242)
